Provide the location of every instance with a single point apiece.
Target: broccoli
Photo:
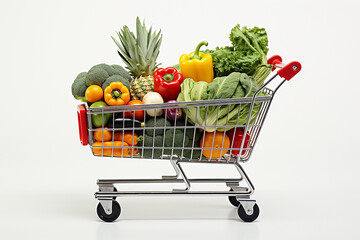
(114, 70)
(78, 88)
(196, 153)
(160, 122)
(176, 136)
(96, 76)
(109, 69)
(157, 143)
(116, 78)
(122, 72)
(189, 132)
(99, 73)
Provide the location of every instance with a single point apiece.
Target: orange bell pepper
(116, 94)
(111, 148)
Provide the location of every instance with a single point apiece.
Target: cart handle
(83, 134)
(286, 71)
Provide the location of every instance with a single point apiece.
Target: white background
(306, 163)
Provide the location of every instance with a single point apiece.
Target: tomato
(139, 114)
(215, 140)
(98, 135)
(94, 93)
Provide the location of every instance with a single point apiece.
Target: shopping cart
(182, 141)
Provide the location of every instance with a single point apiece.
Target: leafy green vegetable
(246, 55)
(236, 85)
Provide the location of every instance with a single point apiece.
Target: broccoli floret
(160, 122)
(122, 72)
(78, 88)
(96, 76)
(179, 140)
(109, 69)
(116, 78)
(149, 141)
(99, 73)
(189, 131)
(177, 136)
(196, 153)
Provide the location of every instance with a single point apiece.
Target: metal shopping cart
(185, 144)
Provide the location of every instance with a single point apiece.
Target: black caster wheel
(116, 210)
(233, 200)
(248, 218)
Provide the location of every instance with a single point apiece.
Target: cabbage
(235, 85)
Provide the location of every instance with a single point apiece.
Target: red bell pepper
(236, 137)
(167, 82)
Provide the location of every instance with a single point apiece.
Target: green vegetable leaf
(236, 85)
(246, 55)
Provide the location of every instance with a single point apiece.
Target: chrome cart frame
(109, 209)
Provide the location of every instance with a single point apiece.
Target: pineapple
(141, 86)
(139, 54)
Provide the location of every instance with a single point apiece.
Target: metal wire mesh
(122, 134)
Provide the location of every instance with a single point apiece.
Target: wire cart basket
(182, 141)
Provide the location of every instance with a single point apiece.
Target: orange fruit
(215, 141)
(98, 134)
(94, 93)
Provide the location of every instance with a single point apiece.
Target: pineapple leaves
(139, 53)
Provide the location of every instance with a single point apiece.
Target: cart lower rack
(230, 140)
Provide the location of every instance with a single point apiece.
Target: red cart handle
(83, 134)
(286, 71)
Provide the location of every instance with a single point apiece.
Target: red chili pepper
(167, 82)
(238, 140)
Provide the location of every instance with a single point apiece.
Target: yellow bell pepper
(197, 65)
(116, 94)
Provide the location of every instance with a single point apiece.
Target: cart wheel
(116, 210)
(233, 200)
(248, 218)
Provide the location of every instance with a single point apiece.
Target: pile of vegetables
(236, 85)
(246, 55)
(235, 71)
